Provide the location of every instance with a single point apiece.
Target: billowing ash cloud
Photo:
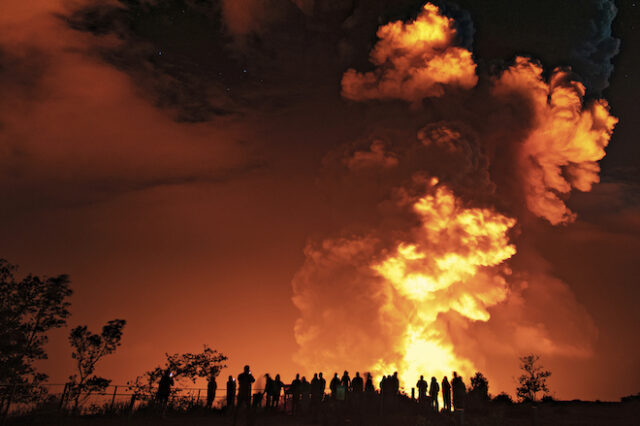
(592, 58)
(78, 124)
(179, 52)
(566, 139)
(413, 61)
(431, 279)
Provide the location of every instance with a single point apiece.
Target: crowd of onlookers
(304, 395)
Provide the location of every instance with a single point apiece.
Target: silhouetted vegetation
(29, 308)
(479, 387)
(503, 398)
(188, 366)
(88, 349)
(534, 378)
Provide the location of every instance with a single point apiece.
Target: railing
(113, 396)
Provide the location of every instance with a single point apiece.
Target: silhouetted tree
(29, 308)
(88, 349)
(203, 364)
(533, 380)
(144, 387)
(479, 387)
(183, 366)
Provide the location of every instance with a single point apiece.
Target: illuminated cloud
(451, 290)
(76, 129)
(566, 138)
(374, 157)
(413, 60)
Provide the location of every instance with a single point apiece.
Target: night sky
(201, 169)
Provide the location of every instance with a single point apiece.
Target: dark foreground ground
(551, 413)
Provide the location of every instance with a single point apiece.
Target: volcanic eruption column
(403, 293)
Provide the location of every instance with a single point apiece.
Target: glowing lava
(450, 267)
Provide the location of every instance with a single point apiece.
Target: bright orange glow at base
(450, 267)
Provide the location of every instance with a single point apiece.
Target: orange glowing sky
(236, 211)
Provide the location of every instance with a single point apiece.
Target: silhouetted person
(305, 393)
(268, 389)
(212, 386)
(459, 391)
(333, 385)
(322, 384)
(315, 392)
(305, 387)
(357, 384)
(395, 383)
(368, 385)
(434, 389)
(383, 385)
(446, 394)
(276, 389)
(346, 380)
(318, 385)
(295, 393)
(388, 391)
(231, 392)
(245, 380)
(422, 390)
(164, 388)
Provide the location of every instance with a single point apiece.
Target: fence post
(132, 402)
(5, 412)
(198, 400)
(113, 397)
(63, 397)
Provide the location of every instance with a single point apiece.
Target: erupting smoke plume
(414, 60)
(432, 285)
(562, 149)
(446, 268)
